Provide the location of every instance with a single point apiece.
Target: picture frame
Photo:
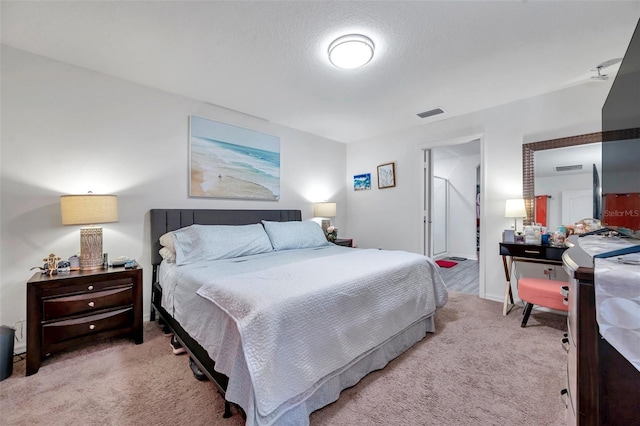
(227, 161)
(386, 175)
(362, 182)
(508, 236)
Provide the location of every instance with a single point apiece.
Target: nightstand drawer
(89, 286)
(72, 305)
(62, 331)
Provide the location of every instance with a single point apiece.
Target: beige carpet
(479, 368)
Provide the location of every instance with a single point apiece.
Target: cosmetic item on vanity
(532, 234)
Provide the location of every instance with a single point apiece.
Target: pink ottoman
(542, 292)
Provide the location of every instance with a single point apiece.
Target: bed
(281, 320)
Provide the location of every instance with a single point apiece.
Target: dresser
(603, 387)
(73, 308)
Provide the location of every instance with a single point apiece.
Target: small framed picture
(386, 175)
(362, 182)
(509, 236)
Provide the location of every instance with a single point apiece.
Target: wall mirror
(557, 159)
(617, 175)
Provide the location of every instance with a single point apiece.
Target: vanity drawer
(532, 251)
(87, 302)
(63, 331)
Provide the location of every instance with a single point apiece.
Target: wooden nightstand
(72, 308)
(345, 242)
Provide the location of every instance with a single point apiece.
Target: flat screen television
(621, 144)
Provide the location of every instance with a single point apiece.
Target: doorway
(452, 193)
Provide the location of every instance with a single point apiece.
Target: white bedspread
(300, 322)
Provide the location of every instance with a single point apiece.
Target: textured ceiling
(268, 59)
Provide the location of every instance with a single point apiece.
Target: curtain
(622, 210)
(541, 209)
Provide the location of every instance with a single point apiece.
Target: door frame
(426, 182)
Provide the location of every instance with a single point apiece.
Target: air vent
(430, 113)
(568, 168)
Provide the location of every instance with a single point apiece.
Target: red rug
(446, 263)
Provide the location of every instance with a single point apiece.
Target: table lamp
(89, 209)
(515, 208)
(324, 210)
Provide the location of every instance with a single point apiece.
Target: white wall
(68, 130)
(554, 186)
(461, 173)
(392, 218)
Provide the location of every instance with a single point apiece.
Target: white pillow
(196, 243)
(168, 255)
(166, 240)
(295, 235)
(168, 250)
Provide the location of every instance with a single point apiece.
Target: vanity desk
(532, 253)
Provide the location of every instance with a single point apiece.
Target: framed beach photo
(227, 161)
(362, 182)
(386, 175)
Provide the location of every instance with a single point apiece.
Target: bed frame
(166, 220)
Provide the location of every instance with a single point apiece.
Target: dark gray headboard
(165, 220)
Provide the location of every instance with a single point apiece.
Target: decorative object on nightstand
(324, 210)
(52, 263)
(69, 309)
(515, 208)
(89, 209)
(332, 233)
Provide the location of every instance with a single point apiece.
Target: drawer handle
(92, 327)
(91, 304)
(90, 287)
(532, 251)
(565, 301)
(565, 342)
(564, 290)
(564, 397)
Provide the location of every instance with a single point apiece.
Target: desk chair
(541, 292)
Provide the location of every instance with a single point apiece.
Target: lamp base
(90, 248)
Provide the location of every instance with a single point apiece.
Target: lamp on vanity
(324, 210)
(89, 209)
(515, 208)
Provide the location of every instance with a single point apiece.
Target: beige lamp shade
(515, 208)
(88, 209)
(324, 209)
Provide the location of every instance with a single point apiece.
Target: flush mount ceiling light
(351, 51)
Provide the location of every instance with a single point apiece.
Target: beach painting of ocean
(227, 161)
(362, 182)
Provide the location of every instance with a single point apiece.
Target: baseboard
(20, 348)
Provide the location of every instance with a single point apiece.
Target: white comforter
(302, 321)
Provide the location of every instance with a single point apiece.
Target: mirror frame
(529, 149)
(528, 165)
